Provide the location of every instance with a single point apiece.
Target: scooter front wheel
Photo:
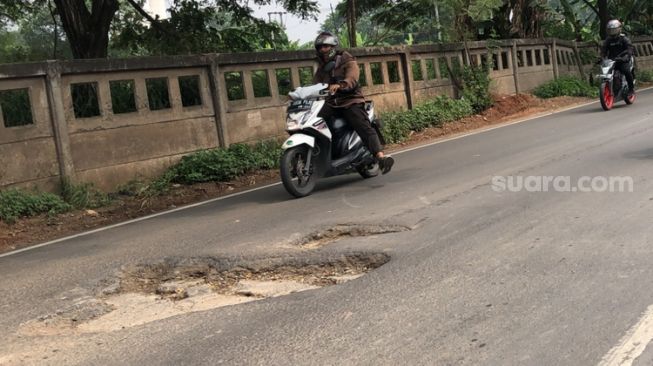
(298, 179)
(606, 96)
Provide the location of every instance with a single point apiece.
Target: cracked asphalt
(482, 278)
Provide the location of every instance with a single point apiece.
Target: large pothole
(147, 292)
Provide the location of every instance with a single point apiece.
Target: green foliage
(565, 86)
(476, 87)
(204, 27)
(83, 195)
(225, 164)
(398, 125)
(645, 75)
(15, 204)
(31, 37)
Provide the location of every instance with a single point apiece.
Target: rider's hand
(333, 88)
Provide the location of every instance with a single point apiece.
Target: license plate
(299, 105)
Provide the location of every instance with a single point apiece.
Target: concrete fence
(111, 121)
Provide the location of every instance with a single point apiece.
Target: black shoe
(385, 164)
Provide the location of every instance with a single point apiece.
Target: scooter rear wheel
(606, 96)
(298, 179)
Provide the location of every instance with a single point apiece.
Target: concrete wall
(240, 101)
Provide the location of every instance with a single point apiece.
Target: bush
(476, 87)
(224, 164)
(15, 204)
(644, 75)
(398, 125)
(565, 86)
(83, 195)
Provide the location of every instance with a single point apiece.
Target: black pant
(356, 116)
(624, 67)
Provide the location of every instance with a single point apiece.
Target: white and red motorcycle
(614, 86)
(317, 148)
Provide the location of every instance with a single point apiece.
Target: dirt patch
(148, 292)
(43, 228)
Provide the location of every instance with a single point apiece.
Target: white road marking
(439, 141)
(633, 343)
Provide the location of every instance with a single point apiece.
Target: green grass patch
(398, 125)
(83, 195)
(15, 203)
(566, 86)
(223, 165)
(645, 76)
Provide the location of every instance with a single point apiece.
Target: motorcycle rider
(618, 47)
(340, 70)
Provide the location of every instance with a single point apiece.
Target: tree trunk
(87, 31)
(604, 16)
(351, 22)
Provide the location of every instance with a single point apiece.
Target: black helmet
(613, 28)
(326, 38)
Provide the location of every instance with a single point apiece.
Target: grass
(566, 86)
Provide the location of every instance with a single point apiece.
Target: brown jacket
(345, 73)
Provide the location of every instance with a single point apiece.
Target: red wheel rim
(607, 96)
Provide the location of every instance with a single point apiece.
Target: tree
(87, 29)
(88, 23)
(36, 36)
(201, 27)
(587, 15)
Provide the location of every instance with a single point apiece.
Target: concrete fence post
(54, 92)
(408, 77)
(515, 66)
(554, 60)
(579, 61)
(219, 97)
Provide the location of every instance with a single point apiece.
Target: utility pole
(437, 19)
(280, 14)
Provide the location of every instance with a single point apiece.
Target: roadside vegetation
(645, 76)
(566, 86)
(219, 165)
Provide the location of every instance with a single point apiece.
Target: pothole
(147, 292)
(328, 235)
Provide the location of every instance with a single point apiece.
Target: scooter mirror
(284, 82)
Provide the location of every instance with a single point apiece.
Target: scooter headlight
(295, 121)
(292, 124)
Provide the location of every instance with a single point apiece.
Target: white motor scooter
(317, 148)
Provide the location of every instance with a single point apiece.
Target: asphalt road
(485, 277)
